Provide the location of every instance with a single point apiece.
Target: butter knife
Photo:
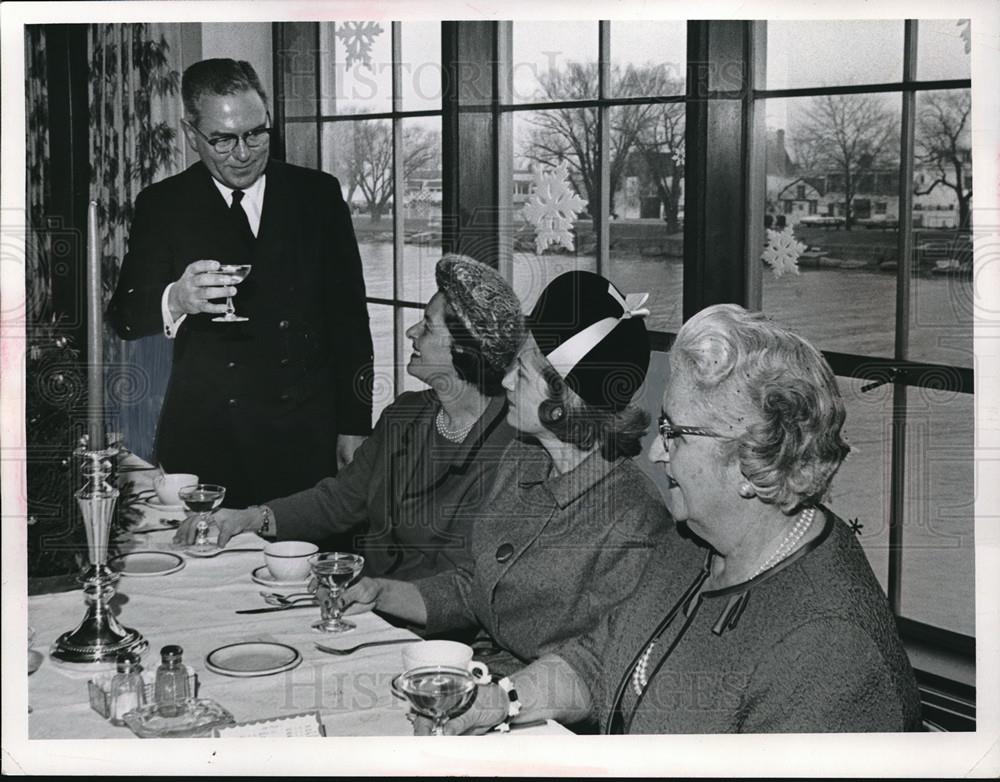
(271, 609)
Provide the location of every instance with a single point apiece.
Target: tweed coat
(409, 497)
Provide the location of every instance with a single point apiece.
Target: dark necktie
(241, 216)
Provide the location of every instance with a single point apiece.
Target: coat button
(284, 362)
(284, 324)
(231, 365)
(284, 397)
(505, 552)
(232, 403)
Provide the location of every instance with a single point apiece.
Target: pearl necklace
(640, 675)
(455, 436)
(786, 547)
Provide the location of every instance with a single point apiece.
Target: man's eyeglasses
(225, 143)
(669, 431)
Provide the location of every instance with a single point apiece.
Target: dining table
(194, 604)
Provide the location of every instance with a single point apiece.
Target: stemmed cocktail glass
(240, 272)
(335, 571)
(202, 498)
(438, 692)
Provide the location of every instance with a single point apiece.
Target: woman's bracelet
(513, 704)
(265, 528)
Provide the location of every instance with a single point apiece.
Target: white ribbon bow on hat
(565, 357)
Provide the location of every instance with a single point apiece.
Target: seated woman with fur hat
(407, 500)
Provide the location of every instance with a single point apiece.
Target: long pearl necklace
(791, 540)
(640, 676)
(455, 436)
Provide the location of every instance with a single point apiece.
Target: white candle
(95, 329)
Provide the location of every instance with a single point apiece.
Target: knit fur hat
(486, 304)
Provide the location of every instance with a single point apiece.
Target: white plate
(261, 575)
(252, 658)
(146, 563)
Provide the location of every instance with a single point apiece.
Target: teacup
(288, 560)
(168, 484)
(447, 653)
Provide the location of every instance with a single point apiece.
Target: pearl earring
(556, 413)
(746, 490)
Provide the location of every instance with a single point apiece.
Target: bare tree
(849, 136)
(943, 144)
(369, 163)
(660, 138)
(571, 134)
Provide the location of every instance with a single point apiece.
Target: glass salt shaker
(172, 687)
(128, 691)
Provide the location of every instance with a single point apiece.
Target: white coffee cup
(168, 484)
(448, 653)
(288, 560)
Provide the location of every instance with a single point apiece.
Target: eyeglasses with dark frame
(225, 143)
(669, 431)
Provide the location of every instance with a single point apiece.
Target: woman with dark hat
(571, 521)
(413, 487)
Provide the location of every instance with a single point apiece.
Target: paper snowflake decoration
(782, 251)
(358, 38)
(966, 33)
(552, 207)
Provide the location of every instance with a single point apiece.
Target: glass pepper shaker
(128, 691)
(172, 687)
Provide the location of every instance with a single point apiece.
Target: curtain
(38, 279)
(134, 117)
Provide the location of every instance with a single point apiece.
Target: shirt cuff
(170, 326)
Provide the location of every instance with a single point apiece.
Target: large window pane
(938, 578)
(420, 44)
(942, 294)
(943, 47)
(542, 139)
(648, 58)
(356, 67)
(833, 166)
(822, 54)
(647, 233)
(421, 206)
(861, 489)
(554, 61)
(359, 154)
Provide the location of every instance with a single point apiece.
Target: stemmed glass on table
(202, 498)
(335, 570)
(240, 272)
(438, 692)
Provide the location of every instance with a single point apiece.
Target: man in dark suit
(268, 405)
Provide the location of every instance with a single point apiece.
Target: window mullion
(603, 247)
(903, 280)
(398, 189)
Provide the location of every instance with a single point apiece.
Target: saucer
(261, 575)
(252, 658)
(146, 563)
(155, 502)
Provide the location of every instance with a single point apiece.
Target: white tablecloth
(194, 607)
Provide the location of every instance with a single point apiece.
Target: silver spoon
(210, 554)
(276, 599)
(352, 649)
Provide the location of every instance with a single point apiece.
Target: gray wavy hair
(780, 395)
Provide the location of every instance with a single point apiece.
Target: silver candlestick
(99, 638)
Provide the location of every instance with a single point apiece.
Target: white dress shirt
(253, 204)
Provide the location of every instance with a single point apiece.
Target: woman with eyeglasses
(785, 627)
(571, 520)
